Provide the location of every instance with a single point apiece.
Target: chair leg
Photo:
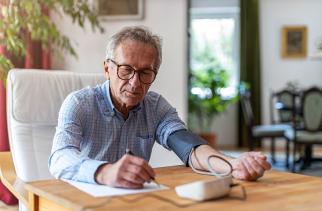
(251, 146)
(287, 146)
(252, 141)
(294, 157)
(307, 156)
(273, 150)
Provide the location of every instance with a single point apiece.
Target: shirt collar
(108, 99)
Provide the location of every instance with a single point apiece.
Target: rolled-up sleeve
(168, 122)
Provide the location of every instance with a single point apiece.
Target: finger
(140, 171)
(252, 173)
(135, 165)
(265, 164)
(259, 171)
(133, 178)
(241, 171)
(141, 162)
(259, 155)
(128, 184)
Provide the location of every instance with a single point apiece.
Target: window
(214, 37)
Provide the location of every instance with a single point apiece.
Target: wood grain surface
(274, 192)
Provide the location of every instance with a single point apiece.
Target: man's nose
(135, 80)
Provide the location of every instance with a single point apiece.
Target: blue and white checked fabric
(91, 131)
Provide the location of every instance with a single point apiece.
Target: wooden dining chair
(309, 132)
(257, 133)
(282, 111)
(282, 105)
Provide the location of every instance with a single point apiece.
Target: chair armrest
(9, 178)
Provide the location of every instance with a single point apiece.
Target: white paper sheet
(103, 190)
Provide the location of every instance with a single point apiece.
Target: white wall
(276, 72)
(168, 18)
(165, 17)
(226, 127)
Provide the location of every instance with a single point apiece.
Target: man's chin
(132, 102)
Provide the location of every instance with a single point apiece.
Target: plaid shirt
(92, 132)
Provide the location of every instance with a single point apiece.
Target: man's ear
(106, 70)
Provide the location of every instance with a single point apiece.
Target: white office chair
(34, 98)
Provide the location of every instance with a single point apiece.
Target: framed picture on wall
(119, 9)
(294, 42)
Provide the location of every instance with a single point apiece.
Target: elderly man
(105, 134)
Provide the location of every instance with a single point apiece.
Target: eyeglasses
(126, 72)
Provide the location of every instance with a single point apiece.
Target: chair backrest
(312, 109)
(34, 98)
(282, 103)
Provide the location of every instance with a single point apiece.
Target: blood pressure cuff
(182, 142)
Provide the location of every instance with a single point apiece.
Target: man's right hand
(128, 172)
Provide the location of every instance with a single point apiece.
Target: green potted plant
(20, 19)
(206, 99)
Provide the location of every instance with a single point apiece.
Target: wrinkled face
(128, 93)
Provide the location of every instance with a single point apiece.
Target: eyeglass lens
(126, 72)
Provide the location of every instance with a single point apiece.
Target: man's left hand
(250, 166)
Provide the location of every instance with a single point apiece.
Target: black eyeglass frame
(134, 70)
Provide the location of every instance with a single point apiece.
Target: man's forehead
(137, 50)
(130, 44)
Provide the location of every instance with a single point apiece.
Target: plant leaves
(22, 17)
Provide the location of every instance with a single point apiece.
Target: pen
(128, 151)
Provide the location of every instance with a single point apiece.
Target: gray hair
(135, 33)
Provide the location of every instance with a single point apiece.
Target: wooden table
(274, 192)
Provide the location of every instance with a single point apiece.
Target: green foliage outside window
(206, 82)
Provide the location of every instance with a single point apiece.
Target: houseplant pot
(209, 137)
